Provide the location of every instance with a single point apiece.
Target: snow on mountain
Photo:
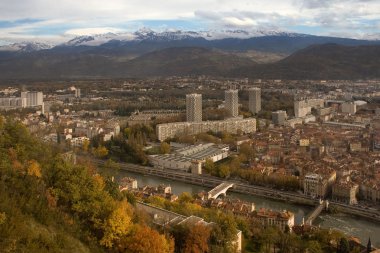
(25, 47)
(146, 34)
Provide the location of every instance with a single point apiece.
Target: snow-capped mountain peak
(147, 34)
(26, 46)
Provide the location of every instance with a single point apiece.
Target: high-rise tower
(232, 102)
(254, 103)
(194, 107)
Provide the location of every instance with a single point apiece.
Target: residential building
(127, 183)
(345, 191)
(370, 191)
(349, 108)
(193, 107)
(268, 218)
(33, 98)
(319, 184)
(254, 102)
(232, 125)
(279, 117)
(232, 102)
(303, 107)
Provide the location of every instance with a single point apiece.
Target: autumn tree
(143, 239)
(164, 148)
(197, 239)
(209, 166)
(117, 225)
(34, 169)
(86, 144)
(224, 171)
(100, 152)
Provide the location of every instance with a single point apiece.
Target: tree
(34, 169)
(101, 151)
(117, 225)
(343, 247)
(223, 233)
(247, 151)
(209, 166)
(164, 148)
(3, 216)
(145, 240)
(85, 145)
(197, 239)
(224, 171)
(314, 247)
(185, 197)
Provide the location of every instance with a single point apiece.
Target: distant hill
(185, 61)
(327, 61)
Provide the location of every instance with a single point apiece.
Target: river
(360, 228)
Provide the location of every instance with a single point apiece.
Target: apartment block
(233, 125)
(193, 107)
(232, 102)
(254, 102)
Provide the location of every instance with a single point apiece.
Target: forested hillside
(49, 205)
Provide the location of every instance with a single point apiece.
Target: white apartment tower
(254, 103)
(232, 102)
(193, 107)
(32, 98)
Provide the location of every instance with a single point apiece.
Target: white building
(349, 108)
(33, 98)
(183, 158)
(193, 107)
(279, 117)
(254, 102)
(303, 107)
(232, 125)
(232, 102)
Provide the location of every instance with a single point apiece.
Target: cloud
(44, 18)
(92, 31)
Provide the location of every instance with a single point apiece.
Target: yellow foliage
(3, 217)
(34, 169)
(117, 225)
(85, 146)
(146, 240)
(98, 179)
(101, 152)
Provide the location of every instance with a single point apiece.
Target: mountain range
(265, 54)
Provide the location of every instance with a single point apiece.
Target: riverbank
(242, 188)
(351, 225)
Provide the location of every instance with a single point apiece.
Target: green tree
(100, 152)
(224, 171)
(209, 166)
(314, 247)
(343, 246)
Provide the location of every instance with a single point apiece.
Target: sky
(49, 20)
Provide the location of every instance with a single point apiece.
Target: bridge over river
(219, 190)
(323, 204)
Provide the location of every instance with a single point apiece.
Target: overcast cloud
(49, 19)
